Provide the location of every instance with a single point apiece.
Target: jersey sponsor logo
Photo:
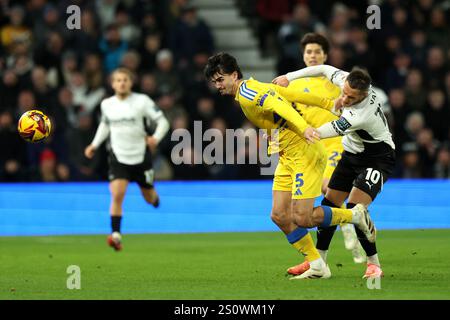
(341, 124)
(261, 101)
(122, 122)
(246, 92)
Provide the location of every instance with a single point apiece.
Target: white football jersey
(124, 122)
(363, 125)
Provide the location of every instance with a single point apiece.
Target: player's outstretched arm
(305, 98)
(314, 71)
(336, 128)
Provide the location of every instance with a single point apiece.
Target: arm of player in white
(334, 128)
(101, 134)
(335, 75)
(162, 125)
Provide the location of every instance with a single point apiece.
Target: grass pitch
(217, 266)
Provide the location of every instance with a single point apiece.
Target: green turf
(217, 266)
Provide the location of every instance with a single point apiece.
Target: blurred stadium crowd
(44, 65)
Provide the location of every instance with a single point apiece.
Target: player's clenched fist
(311, 135)
(281, 81)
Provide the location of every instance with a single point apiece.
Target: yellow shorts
(334, 150)
(300, 170)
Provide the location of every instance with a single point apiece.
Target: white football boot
(311, 273)
(364, 222)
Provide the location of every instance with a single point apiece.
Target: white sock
(317, 264)
(374, 260)
(323, 254)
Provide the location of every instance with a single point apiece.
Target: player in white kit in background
(123, 121)
(368, 159)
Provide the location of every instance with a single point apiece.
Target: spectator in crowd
(106, 10)
(437, 114)
(131, 60)
(93, 71)
(415, 123)
(149, 86)
(9, 90)
(16, 30)
(128, 31)
(438, 30)
(168, 103)
(69, 65)
(86, 39)
(49, 168)
(411, 164)
(396, 75)
(46, 24)
(190, 35)
(442, 166)
(79, 137)
(166, 74)
(436, 67)
(417, 47)
(50, 53)
(151, 46)
(399, 111)
(112, 47)
(44, 95)
(428, 148)
(289, 34)
(12, 157)
(416, 95)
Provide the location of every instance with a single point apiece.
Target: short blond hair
(124, 71)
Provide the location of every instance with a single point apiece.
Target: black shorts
(141, 173)
(366, 173)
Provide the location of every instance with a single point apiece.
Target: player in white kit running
(123, 121)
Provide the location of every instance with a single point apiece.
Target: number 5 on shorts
(298, 183)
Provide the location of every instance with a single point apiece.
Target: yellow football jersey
(319, 86)
(269, 106)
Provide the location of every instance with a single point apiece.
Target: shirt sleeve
(334, 128)
(305, 98)
(152, 112)
(335, 75)
(102, 131)
(286, 111)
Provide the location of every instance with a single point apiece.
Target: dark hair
(222, 63)
(315, 38)
(359, 79)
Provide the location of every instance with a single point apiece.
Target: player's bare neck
(236, 86)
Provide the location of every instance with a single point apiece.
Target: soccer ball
(34, 126)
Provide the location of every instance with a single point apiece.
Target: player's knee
(279, 218)
(302, 218)
(118, 196)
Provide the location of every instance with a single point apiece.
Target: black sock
(369, 247)
(324, 235)
(115, 223)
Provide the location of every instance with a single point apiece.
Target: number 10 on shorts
(298, 183)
